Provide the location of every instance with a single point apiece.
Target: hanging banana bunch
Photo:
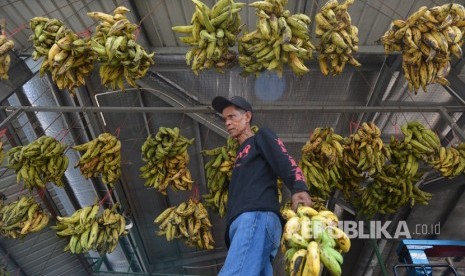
(311, 238)
(4, 271)
(338, 37)
(366, 150)
(218, 172)
(321, 161)
(5, 46)
(211, 33)
(22, 217)
(67, 56)
(450, 162)
(112, 226)
(390, 191)
(189, 221)
(405, 159)
(46, 31)
(2, 153)
(422, 141)
(121, 56)
(102, 157)
(39, 162)
(167, 161)
(280, 37)
(70, 60)
(427, 39)
(364, 154)
(89, 230)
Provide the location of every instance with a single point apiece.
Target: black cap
(219, 103)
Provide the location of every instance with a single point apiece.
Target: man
(254, 225)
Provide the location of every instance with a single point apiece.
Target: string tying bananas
(121, 56)
(320, 163)
(280, 37)
(167, 161)
(102, 157)
(338, 37)
(311, 237)
(5, 46)
(22, 217)
(89, 230)
(39, 162)
(211, 33)
(189, 221)
(427, 39)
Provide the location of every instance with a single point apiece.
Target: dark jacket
(259, 161)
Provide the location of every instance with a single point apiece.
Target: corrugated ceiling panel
(41, 254)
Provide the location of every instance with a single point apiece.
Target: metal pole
(10, 117)
(258, 109)
(380, 258)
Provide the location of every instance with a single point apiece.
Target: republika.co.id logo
(379, 229)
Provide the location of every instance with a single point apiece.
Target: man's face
(236, 120)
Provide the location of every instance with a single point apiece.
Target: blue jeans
(255, 238)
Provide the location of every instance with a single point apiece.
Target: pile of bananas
(279, 38)
(46, 31)
(5, 46)
(211, 33)
(189, 221)
(311, 237)
(102, 156)
(22, 217)
(70, 60)
(426, 39)
(338, 38)
(321, 160)
(90, 231)
(39, 162)
(121, 56)
(450, 162)
(166, 160)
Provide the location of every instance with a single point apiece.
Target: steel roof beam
(257, 109)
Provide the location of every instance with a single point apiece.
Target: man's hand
(300, 198)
